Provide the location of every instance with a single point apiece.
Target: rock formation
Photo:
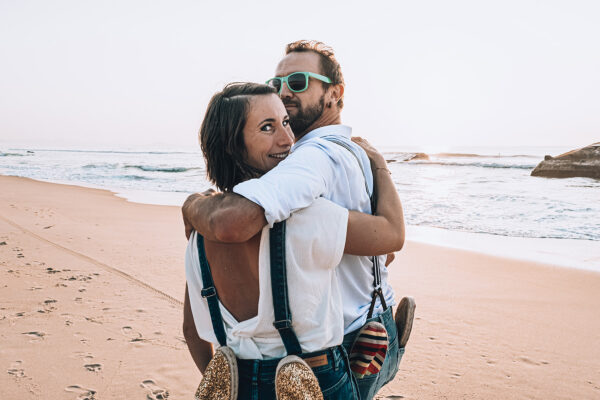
(415, 156)
(584, 162)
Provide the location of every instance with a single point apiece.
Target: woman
(245, 133)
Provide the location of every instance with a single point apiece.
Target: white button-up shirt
(317, 167)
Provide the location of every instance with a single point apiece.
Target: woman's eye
(286, 122)
(267, 128)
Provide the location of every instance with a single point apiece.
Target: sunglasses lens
(276, 83)
(297, 82)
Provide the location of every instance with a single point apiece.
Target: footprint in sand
(83, 355)
(156, 392)
(527, 360)
(83, 393)
(16, 370)
(93, 367)
(133, 335)
(49, 306)
(35, 335)
(82, 339)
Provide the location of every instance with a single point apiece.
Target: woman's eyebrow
(266, 120)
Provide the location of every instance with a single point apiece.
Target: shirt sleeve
(306, 174)
(318, 234)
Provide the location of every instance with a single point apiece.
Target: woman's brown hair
(222, 134)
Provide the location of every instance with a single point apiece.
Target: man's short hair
(330, 67)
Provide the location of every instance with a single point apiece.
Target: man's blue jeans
(370, 385)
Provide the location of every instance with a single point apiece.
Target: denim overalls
(257, 377)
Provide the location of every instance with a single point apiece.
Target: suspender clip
(283, 324)
(208, 292)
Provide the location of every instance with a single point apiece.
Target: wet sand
(90, 301)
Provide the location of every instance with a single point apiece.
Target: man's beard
(305, 117)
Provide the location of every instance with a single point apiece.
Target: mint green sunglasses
(297, 82)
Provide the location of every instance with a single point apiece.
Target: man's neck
(324, 120)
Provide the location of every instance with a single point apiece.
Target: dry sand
(90, 291)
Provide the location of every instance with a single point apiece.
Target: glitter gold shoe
(220, 380)
(295, 380)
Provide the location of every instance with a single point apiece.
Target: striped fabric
(369, 350)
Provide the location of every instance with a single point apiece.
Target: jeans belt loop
(334, 360)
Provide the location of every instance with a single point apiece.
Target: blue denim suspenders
(281, 305)
(279, 288)
(377, 290)
(209, 292)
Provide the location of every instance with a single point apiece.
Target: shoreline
(93, 285)
(559, 252)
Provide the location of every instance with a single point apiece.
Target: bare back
(234, 268)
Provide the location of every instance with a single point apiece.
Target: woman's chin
(275, 162)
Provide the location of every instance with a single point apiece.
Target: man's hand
(222, 217)
(186, 206)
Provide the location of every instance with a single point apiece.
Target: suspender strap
(281, 307)
(347, 147)
(210, 293)
(377, 291)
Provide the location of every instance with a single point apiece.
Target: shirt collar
(343, 130)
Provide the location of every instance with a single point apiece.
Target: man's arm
(294, 184)
(201, 350)
(383, 233)
(222, 217)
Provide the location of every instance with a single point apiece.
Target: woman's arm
(201, 350)
(383, 233)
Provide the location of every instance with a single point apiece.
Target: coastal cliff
(584, 162)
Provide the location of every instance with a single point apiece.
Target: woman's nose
(285, 138)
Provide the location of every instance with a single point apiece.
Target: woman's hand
(382, 232)
(376, 158)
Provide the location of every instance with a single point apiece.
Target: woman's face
(267, 133)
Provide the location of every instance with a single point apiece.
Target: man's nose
(285, 91)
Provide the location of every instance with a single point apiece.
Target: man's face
(306, 107)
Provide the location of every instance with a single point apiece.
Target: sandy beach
(90, 307)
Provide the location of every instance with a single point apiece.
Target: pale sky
(433, 74)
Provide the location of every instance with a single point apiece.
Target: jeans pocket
(391, 364)
(367, 386)
(336, 385)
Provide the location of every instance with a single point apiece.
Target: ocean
(485, 191)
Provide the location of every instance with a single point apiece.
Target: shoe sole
(232, 360)
(405, 315)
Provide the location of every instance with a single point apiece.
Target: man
(324, 163)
